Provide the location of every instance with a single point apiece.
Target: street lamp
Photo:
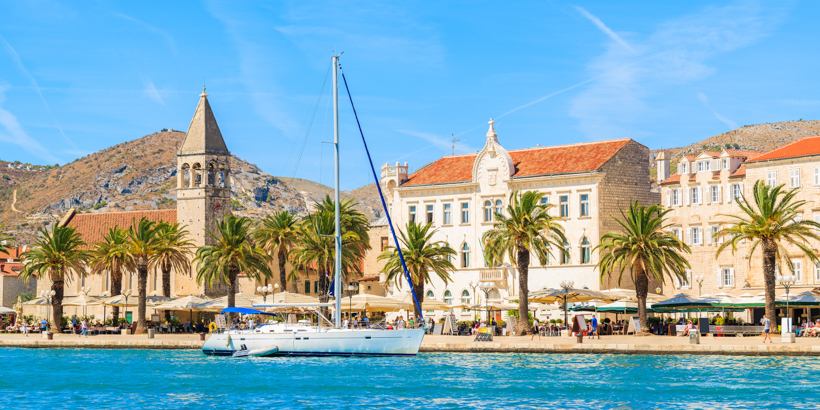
(474, 286)
(566, 285)
(787, 281)
(127, 293)
(49, 295)
(486, 287)
(699, 279)
(350, 289)
(264, 290)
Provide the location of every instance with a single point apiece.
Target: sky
(77, 77)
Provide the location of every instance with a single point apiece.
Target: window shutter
(720, 193)
(668, 198)
(720, 278)
(708, 197)
(687, 194)
(708, 235)
(728, 196)
(700, 195)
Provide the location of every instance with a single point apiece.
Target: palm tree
(316, 248)
(421, 255)
(350, 218)
(646, 247)
(527, 229)
(142, 245)
(278, 234)
(233, 253)
(111, 255)
(173, 251)
(772, 223)
(57, 255)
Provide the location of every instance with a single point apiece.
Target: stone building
(10, 284)
(587, 182)
(702, 194)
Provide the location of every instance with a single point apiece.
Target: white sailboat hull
(311, 341)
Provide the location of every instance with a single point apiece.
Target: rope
(381, 197)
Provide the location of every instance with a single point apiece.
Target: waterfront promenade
(663, 345)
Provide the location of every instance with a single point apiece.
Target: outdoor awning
(6, 311)
(572, 295)
(246, 311)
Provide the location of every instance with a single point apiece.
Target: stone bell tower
(203, 175)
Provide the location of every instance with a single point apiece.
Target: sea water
(136, 379)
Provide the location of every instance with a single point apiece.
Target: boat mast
(337, 291)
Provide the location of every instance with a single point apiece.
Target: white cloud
(676, 53)
(601, 26)
(150, 90)
(16, 135)
(442, 143)
(705, 100)
(164, 34)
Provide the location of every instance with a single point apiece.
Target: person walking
(766, 329)
(24, 327)
(74, 324)
(535, 330)
(594, 325)
(85, 327)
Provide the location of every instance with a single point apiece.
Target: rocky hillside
(759, 137)
(140, 174)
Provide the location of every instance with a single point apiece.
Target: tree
(173, 252)
(646, 248)
(111, 256)
(277, 235)
(350, 218)
(57, 255)
(422, 255)
(233, 253)
(141, 246)
(771, 223)
(316, 248)
(526, 229)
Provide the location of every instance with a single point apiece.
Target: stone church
(203, 197)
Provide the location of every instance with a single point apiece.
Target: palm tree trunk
(58, 286)
(769, 253)
(142, 285)
(166, 285)
(641, 289)
(116, 289)
(324, 286)
(283, 281)
(232, 275)
(523, 263)
(418, 289)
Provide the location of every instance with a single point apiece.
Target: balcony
(491, 275)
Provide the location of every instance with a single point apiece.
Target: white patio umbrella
(6, 311)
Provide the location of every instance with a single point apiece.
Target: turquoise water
(84, 378)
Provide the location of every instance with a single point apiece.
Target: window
(429, 214)
(798, 270)
(695, 192)
(683, 168)
(794, 178)
(545, 200)
(817, 271)
(465, 212)
(499, 206)
(725, 163)
(384, 243)
(686, 280)
(155, 280)
(488, 211)
(816, 176)
(465, 256)
(675, 198)
(564, 200)
(584, 204)
(465, 297)
(696, 236)
(736, 193)
(771, 178)
(676, 232)
(448, 217)
(701, 166)
(429, 294)
(727, 277)
(715, 193)
(448, 297)
(585, 250)
(307, 286)
(412, 213)
(714, 237)
(565, 257)
(316, 287)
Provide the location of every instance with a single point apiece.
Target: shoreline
(655, 345)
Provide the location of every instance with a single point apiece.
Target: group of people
(809, 329)
(355, 323)
(81, 328)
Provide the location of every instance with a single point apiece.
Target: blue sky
(78, 77)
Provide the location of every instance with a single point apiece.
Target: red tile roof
(10, 269)
(805, 147)
(368, 278)
(13, 253)
(739, 172)
(671, 180)
(713, 154)
(744, 153)
(564, 159)
(94, 225)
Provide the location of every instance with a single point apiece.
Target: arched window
(448, 297)
(499, 206)
(197, 175)
(211, 174)
(430, 294)
(494, 294)
(223, 174)
(186, 176)
(465, 256)
(585, 250)
(565, 257)
(488, 211)
(465, 297)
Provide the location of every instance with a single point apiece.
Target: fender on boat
(259, 352)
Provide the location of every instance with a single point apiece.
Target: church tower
(203, 175)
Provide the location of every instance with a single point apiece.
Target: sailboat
(306, 340)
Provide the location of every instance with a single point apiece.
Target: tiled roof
(10, 269)
(94, 225)
(562, 159)
(744, 153)
(802, 148)
(368, 278)
(13, 253)
(713, 154)
(675, 178)
(690, 157)
(739, 172)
